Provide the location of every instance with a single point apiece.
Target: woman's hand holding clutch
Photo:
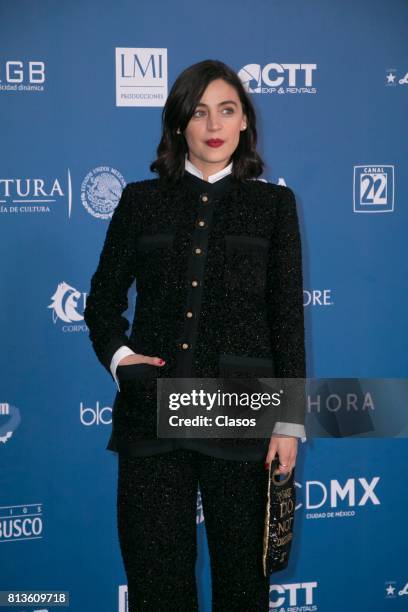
(286, 447)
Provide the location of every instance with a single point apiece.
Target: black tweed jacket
(228, 253)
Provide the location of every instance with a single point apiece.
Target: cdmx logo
(336, 499)
(278, 78)
(65, 307)
(373, 188)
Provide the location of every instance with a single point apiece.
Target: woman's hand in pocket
(138, 358)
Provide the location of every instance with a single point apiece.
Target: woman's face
(217, 119)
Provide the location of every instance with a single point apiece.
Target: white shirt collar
(190, 167)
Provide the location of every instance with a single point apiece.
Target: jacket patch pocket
(151, 242)
(238, 366)
(135, 371)
(246, 263)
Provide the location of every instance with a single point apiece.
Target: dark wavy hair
(181, 103)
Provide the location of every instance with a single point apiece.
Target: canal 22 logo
(373, 188)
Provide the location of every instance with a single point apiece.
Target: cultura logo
(35, 195)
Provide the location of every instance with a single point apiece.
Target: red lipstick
(214, 142)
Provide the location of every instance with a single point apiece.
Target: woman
(216, 256)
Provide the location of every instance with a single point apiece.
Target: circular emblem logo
(101, 190)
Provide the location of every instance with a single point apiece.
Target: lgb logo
(373, 189)
(19, 72)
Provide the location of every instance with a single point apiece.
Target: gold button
(197, 251)
(204, 198)
(189, 314)
(194, 283)
(184, 345)
(201, 223)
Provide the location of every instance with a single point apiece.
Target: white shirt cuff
(122, 352)
(290, 429)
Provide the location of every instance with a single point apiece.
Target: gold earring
(178, 131)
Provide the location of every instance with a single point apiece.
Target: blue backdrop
(82, 85)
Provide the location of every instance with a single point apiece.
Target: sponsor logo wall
(81, 114)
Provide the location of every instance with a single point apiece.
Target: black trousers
(156, 503)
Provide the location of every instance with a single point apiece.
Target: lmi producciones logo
(141, 77)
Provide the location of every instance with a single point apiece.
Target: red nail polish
(161, 361)
(266, 466)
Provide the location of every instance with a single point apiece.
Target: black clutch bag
(279, 519)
